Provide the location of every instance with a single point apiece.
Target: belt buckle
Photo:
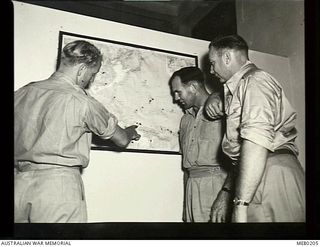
(215, 168)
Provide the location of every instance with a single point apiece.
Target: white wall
(129, 187)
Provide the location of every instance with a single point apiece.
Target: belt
(199, 172)
(25, 166)
(283, 151)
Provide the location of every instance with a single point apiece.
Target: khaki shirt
(257, 110)
(53, 122)
(200, 140)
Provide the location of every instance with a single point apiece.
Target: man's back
(49, 123)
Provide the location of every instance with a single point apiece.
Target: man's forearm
(229, 182)
(252, 164)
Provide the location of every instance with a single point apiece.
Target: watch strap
(240, 202)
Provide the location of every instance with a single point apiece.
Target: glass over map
(133, 85)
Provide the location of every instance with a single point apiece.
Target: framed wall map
(133, 84)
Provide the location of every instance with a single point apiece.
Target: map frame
(107, 145)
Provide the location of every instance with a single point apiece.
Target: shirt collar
(60, 76)
(233, 82)
(63, 76)
(199, 114)
(192, 112)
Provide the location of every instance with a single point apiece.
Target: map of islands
(133, 84)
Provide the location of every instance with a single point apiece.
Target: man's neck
(202, 97)
(69, 73)
(239, 65)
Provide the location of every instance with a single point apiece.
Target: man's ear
(81, 69)
(226, 57)
(194, 86)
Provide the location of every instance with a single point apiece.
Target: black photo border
(105, 231)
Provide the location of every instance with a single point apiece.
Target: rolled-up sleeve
(258, 113)
(99, 120)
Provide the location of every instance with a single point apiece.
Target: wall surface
(131, 187)
(277, 27)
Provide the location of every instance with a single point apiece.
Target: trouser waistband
(199, 172)
(24, 166)
(271, 154)
(283, 151)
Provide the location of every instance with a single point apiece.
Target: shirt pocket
(210, 130)
(208, 151)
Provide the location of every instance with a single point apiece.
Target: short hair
(233, 41)
(80, 51)
(188, 74)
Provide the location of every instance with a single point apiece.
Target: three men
(54, 119)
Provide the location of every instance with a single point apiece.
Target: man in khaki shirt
(54, 122)
(200, 145)
(260, 137)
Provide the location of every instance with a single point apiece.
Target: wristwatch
(239, 202)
